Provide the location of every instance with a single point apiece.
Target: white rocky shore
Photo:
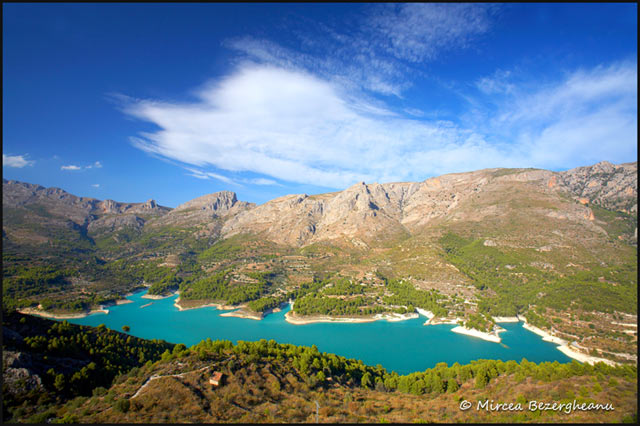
(45, 314)
(393, 317)
(206, 305)
(425, 313)
(506, 319)
(158, 297)
(545, 336)
(490, 337)
(565, 347)
(292, 318)
(243, 313)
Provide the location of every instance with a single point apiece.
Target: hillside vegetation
(269, 382)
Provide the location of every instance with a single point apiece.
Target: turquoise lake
(404, 346)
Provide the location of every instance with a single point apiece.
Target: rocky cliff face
(57, 201)
(361, 214)
(614, 187)
(209, 210)
(364, 212)
(55, 207)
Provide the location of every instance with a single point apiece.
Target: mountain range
(359, 213)
(557, 247)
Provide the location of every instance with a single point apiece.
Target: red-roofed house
(216, 379)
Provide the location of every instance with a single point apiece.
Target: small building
(216, 379)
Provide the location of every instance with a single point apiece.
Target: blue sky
(173, 101)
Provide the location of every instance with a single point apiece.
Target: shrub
(122, 405)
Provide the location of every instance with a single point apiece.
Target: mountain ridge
(360, 211)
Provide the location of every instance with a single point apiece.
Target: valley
(460, 246)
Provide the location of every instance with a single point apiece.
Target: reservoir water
(404, 346)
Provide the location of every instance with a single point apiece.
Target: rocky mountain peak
(150, 204)
(218, 202)
(109, 206)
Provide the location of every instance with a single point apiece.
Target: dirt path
(155, 377)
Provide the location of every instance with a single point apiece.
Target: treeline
(217, 287)
(319, 305)
(107, 352)
(126, 272)
(167, 284)
(317, 367)
(72, 360)
(265, 303)
(310, 298)
(480, 322)
(406, 294)
(343, 287)
(21, 284)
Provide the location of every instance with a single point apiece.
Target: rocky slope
(361, 214)
(364, 213)
(209, 210)
(612, 186)
(53, 207)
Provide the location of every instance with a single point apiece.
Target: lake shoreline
(62, 316)
(244, 313)
(45, 314)
(158, 296)
(294, 319)
(564, 347)
(241, 311)
(205, 304)
(489, 337)
(379, 342)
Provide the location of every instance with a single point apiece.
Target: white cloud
(96, 185)
(292, 126)
(18, 161)
(96, 165)
(71, 167)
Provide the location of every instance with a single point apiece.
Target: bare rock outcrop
(17, 374)
(613, 186)
(54, 207)
(209, 210)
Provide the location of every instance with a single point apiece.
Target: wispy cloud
(589, 115)
(17, 161)
(96, 185)
(419, 32)
(293, 126)
(378, 53)
(498, 83)
(70, 167)
(201, 174)
(209, 175)
(262, 181)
